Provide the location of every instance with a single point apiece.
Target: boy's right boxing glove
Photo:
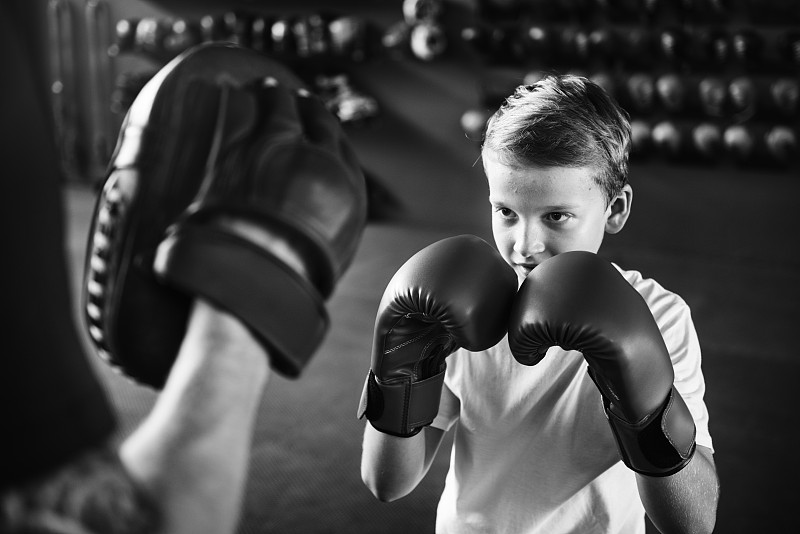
(454, 293)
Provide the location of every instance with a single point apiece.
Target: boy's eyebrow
(561, 207)
(546, 208)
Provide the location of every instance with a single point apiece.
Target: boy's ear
(619, 210)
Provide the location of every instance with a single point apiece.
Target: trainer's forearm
(192, 451)
(685, 502)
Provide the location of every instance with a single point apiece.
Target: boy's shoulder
(658, 298)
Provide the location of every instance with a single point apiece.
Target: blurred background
(713, 90)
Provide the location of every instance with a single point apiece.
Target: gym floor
(723, 238)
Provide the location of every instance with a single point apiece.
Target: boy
(533, 451)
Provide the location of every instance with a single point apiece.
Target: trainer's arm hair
(391, 467)
(685, 502)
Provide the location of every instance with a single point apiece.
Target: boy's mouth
(526, 268)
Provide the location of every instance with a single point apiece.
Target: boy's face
(538, 212)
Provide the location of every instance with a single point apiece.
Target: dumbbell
(310, 33)
(785, 96)
(641, 139)
(706, 141)
(150, 36)
(668, 140)
(230, 26)
(260, 29)
(428, 40)
(711, 48)
(674, 45)
(782, 144)
(743, 96)
(577, 47)
(473, 123)
(603, 44)
(688, 141)
(592, 47)
(351, 106)
(488, 41)
(788, 45)
(692, 95)
(767, 98)
(281, 37)
(671, 90)
(212, 28)
(124, 36)
(532, 43)
(425, 40)
(533, 76)
(416, 11)
(395, 40)
(638, 93)
(710, 96)
(761, 145)
(182, 35)
(352, 37)
(606, 81)
(747, 47)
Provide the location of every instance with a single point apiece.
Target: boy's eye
(558, 216)
(505, 212)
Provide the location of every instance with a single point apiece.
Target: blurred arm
(192, 451)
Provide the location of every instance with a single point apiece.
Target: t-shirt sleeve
(449, 403)
(675, 322)
(449, 407)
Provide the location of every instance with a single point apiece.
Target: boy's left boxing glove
(454, 293)
(578, 301)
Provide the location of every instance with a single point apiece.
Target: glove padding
(232, 183)
(454, 293)
(578, 301)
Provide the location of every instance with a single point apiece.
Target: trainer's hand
(578, 301)
(454, 293)
(230, 183)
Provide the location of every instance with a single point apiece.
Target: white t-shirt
(533, 452)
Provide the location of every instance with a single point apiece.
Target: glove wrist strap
(659, 445)
(401, 407)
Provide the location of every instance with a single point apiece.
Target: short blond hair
(563, 121)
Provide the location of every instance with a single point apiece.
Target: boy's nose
(528, 243)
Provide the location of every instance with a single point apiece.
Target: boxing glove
(230, 182)
(454, 293)
(578, 301)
